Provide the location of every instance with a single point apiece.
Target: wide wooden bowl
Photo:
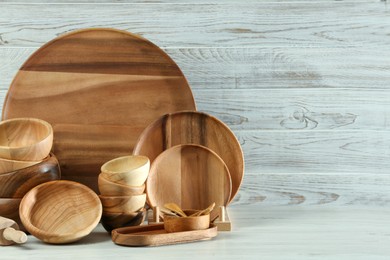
(9, 208)
(179, 224)
(130, 170)
(109, 188)
(7, 165)
(123, 204)
(25, 139)
(112, 221)
(16, 184)
(60, 212)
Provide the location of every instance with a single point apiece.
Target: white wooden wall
(305, 85)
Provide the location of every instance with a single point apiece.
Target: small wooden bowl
(109, 188)
(112, 221)
(14, 165)
(60, 212)
(123, 204)
(179, 224)
(9, 208)
(130, 170)
(25, 139)
(16, 184)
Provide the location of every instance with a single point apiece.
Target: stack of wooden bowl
(25, 161)
(122, 188)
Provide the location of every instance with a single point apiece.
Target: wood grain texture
(191, 176)
(104, 86)
(191, 127)
(303, 24)
(155, 235)
(60, 212)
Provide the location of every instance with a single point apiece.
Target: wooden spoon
(175, 208)
(204, 211)
(9, 233)
(169, 212)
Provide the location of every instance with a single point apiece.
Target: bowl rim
(51, 156)
(143, 163)
(67, 237)
(47, 125)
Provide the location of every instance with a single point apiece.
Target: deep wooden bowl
(109, 188)
(130, 170)
(16, 184)
(123, 204)
(9, 208)
(179, 224)
(112, 221)
(60, 212)
(25, 139)
(7, 165)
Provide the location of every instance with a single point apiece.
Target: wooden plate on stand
(190, 127)
(99, 88)
(192, 176)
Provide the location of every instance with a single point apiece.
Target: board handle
(14, 235)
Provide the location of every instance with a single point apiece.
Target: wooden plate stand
(223, 222)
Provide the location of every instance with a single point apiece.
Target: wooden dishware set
(120, 117)
(25, 161)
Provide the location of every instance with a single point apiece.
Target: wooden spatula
(10, 233)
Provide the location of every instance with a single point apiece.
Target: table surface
(259, 232)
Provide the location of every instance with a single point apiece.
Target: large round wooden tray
(99, 88)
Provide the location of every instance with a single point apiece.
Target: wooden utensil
(190, 127)
(175, 224)
(16, 184)
(99, 88)
(60, 212)
(155, 235)
(203, 212)
(108, 188)
(175, 208)
(25, 139)
(191, 176)
(9, 208)
(112, 221)
(128, 170)
(10, 233)
(123, 204)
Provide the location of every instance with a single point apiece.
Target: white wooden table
(261, 232)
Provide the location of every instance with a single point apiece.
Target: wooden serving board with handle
(155, 235)
(99, 88)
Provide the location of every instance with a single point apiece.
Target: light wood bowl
(16, 184)
(109, 188)
(60, 212)
(130, 170)
(112, 221)
(7, 165)
(9, 208)
(25, 139)
(123, 204)
(179, 224)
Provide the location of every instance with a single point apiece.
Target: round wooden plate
(192, 176)
(190, 127)
(99, 88)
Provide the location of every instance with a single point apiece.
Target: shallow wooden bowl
(112, 221)
(60, 212)
(109, 188)
(179, 224)
(25, 139)
(7, 165)
(9, 208)
(16, 184)
(123, 204)
(130, 170)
